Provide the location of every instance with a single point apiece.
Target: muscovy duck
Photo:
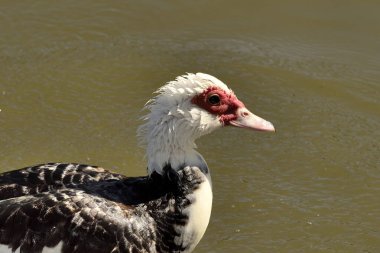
(76, 208)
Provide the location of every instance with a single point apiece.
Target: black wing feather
(46, 204)
(90, 209)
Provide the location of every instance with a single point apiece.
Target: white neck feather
(174, 123)
(171, 141)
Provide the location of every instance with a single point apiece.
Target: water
(75, 74)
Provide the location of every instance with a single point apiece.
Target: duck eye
(214, 99)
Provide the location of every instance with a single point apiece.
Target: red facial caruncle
(219, 102)
(229, 109)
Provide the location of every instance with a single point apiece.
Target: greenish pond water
(74, 76)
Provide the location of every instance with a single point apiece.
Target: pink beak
(246, 119)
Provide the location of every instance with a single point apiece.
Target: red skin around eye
(226, 109)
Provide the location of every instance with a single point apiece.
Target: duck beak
(246, 119)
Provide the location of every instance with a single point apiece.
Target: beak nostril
(244, 114)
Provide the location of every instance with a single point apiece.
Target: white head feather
(174, 123)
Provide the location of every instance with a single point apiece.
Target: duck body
(88, 209)
(75, 208)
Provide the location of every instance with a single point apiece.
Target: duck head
(183, 110)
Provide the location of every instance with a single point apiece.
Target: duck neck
(168, 146)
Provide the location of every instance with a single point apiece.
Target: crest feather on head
(173, 94)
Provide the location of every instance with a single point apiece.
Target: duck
(79, 208)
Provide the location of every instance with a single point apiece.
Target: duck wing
(80, 206)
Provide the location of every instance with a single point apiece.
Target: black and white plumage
(77, 208)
